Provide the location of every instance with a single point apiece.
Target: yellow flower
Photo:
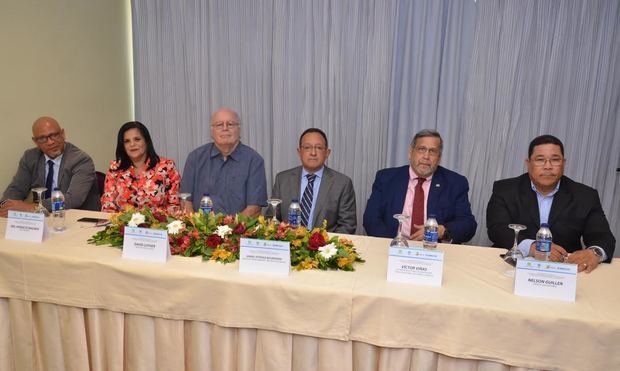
(220, 254)
(343, 262)
(301, 232)
(325, 235)
(297, 243)
(308, 263)
(114, 219)
(261, 220)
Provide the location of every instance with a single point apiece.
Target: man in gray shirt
(232, 173)
(54, 163)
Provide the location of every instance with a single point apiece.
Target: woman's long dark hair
(121, 155)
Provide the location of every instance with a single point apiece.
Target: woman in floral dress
(139, 177)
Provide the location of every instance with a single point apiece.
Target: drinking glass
(274, 202)
(513, 254)
(184, 200)
(400, 240)
(40, 209)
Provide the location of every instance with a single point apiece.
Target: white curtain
(489, 75)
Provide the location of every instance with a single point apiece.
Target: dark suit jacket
(335, 201)
(76, 178)
(576, 212)
(447, 200)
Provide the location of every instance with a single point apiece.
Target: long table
(68, 305)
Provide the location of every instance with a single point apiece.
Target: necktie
(49, 181)
(306, 200)
(418, 206)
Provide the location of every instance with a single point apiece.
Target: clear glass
(273, 202)
(40, 209)
(400, 240)
(513, 254)
(184, 199)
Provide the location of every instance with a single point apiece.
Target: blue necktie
(49, 181)
(306, 200)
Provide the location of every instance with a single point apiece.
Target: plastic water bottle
(294, 213)
(543, 243)
(58, 210)
(206, 204)
(431, 233)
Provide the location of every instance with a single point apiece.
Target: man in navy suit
(420, 190)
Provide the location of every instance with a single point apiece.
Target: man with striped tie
(323, 193)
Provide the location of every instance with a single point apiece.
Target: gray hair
(427, 133)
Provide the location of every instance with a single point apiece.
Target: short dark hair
(544, 139)
(121, 155)
(314, 130)
(427, 133)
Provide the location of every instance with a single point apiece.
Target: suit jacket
(447, 200)
(335, 201)
(76, 178)
(576, 213)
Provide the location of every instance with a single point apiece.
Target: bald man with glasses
(53, 163)
(545, 195)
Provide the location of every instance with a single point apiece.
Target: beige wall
(68, 59)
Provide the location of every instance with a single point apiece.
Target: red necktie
(418, 206)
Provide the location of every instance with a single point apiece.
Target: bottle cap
(544, 225)
(294, 200)
(205, 194)
(56, 189)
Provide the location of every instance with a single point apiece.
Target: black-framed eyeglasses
(43, 139)
(308, 148)
(541, 161)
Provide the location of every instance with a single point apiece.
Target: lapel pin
(437, 185)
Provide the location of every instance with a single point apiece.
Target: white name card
(146, 244)
(415, 265)
(548, 280)
(25, 226)
(264, 256)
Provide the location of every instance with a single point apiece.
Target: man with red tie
(421, 189)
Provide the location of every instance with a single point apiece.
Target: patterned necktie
(418, 205)
(306, 200)
(49, 181)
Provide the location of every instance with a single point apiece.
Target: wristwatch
(597, 252)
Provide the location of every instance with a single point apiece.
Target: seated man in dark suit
(544, 195)
(421, 189)
(54, 163)
(324, 194)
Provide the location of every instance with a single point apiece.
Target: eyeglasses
(228, 124)
(43, 139)
(541, 161)
(430, 151)
(309, 148)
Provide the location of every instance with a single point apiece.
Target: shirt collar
(56, 160)
(233, 155)
(551, 194)
(413, 176)
(318, 173)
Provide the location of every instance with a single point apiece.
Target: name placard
(146, 244)
(264, 256)
(24, 226)
(415, 265)
(548, 280)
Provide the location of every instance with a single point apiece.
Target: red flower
(316, 240)
(121, 230)
(143, 225)
(214, 241)
(161, 217)
(239, 229)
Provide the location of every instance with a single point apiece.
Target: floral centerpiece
(217, 237)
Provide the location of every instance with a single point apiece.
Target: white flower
(136, 220)
(175, 227)
(328, 251)
(223, 230)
